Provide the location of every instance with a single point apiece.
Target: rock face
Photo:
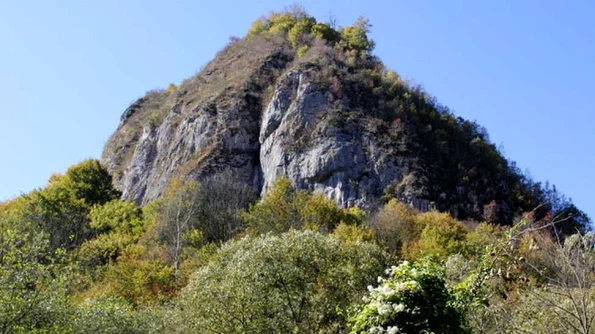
(209, 123)
(353, 170)
(348, 131)
(291, 138)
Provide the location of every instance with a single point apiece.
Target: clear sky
(523, 69)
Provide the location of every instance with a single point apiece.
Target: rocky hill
(301, 98)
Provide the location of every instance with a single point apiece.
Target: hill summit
(309, 100)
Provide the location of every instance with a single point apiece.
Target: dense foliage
(208, 257)
(212, 257)
(32, 295)
(413, 299)
(294, 283)
(284, 207)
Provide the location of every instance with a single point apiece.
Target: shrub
(107, 315)
(281, 22)
(295, 282)
(483, 236)
(32, 280)
(284, 208)
(324, 31)
(257, 27)
(121, 224)
(301, 28)
(355, 37)
(441, 235)
(140, 278)
(116, 215)
(394, 226)
(320, 211)
(103, 249)
(354, 216)
(412, 299)
(353, 233)
(302, 51)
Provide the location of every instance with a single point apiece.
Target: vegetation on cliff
(444, 159)
(499, 253)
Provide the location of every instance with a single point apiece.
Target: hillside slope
(300, 98)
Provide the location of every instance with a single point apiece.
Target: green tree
(325, 32)
(284, 208)
(119, 224)
(176, 215)
(441, 235)
(89, 181)
(355, 37)
(61, 208)
(394, 226)
(277, 211)
(300, 30)
(292, 283)
(32, 290)
(353, 233)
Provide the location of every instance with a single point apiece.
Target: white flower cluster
(386, 298)
(388, 308)
(389, 289)
(403, 269)
(380, 330)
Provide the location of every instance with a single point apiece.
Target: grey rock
(292, 137)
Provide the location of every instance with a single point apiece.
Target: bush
(441, 235)
(107, 315)
(32, 280)
(353, 233)
(394, 226)
(296, 282)
(121, 224)
(122, 216)
(355, 37)
(102, 250)
(141, 279)
(324, 31)
(257, 27)
(61, 208)
(284, 208)
(413, 299)
(302, 51)
(301, 28)
(483, 236)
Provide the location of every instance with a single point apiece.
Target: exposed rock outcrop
(298, 142)
(352, 132)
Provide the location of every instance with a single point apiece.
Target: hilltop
(309, 100)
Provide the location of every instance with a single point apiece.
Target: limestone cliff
(330, 121)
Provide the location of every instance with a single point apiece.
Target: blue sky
(523, 69)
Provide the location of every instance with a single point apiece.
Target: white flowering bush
(413, 298)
